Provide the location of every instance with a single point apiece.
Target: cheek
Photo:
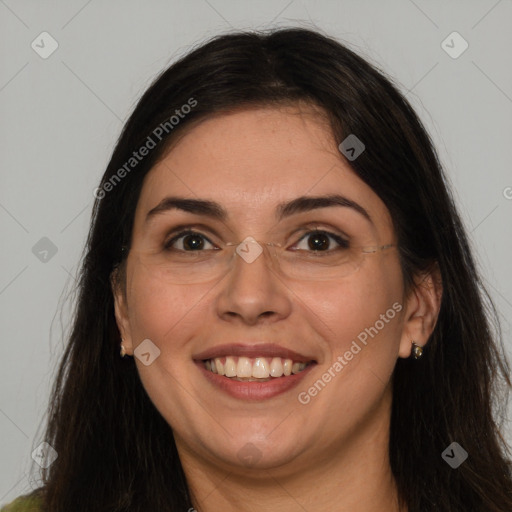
(160, 311)
(167, 315)
(361, 322)
(360, 314)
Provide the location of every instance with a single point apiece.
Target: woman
(276, 258)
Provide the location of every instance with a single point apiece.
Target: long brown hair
(117, 453)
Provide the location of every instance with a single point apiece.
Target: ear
(121, 310)
(422, 310)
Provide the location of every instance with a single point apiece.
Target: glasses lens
(204, 266)
(189, 267)
(318, 265)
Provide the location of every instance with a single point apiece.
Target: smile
(248, 369)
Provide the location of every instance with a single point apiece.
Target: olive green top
(27, 503)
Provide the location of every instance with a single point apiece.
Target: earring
(122, 353)
(417, 351)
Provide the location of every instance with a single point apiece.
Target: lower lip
(253, 390)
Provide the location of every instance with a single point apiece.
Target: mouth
(258, 369)
(255, 372)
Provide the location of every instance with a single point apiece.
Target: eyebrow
(216, 211)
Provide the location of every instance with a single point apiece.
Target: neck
(358, 478)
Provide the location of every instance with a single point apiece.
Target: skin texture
(328, 454)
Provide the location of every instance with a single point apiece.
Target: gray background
(60, 117)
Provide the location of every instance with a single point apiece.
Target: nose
(253, 291)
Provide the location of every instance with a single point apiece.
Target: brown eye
(188, 241)
(320, 241)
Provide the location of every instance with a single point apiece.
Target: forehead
(251, 160)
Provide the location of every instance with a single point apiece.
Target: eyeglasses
(195, 264)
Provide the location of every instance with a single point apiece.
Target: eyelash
(343, 243)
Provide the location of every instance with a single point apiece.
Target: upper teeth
(258, 368)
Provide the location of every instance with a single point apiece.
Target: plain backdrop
(61, 115)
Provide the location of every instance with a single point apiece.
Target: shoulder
(27, 503)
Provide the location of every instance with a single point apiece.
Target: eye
(320, 241)
(188, 241)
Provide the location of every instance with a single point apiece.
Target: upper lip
(253, 350)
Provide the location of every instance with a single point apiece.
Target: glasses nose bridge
(251, 250)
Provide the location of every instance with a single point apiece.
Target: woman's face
(255, 314)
